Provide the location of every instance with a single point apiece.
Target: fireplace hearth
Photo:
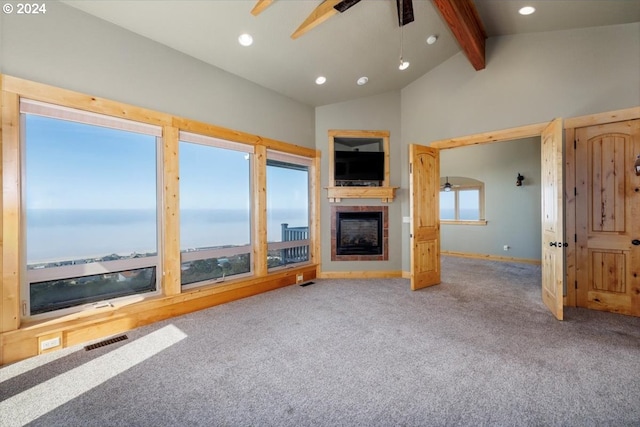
(359, 233)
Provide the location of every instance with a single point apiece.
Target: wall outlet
(506, 247)
(50, 343)
(299, 278)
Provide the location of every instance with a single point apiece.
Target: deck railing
(299, 253)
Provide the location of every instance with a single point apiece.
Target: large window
(90, 204)
(215, 209)
(462, 201)
(287, 209)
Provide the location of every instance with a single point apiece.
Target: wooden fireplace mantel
(385, 194)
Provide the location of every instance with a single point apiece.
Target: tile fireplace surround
(385, 233)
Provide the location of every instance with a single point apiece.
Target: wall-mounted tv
(359, 166)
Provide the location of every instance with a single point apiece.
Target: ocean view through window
(287, 209)
(99, 235)
(215, 209)
(90, 207)
(462, 202)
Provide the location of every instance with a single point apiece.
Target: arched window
(461, 200)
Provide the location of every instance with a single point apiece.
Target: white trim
(214, 253)
(289, 158)
(80, 270)
(215, 142)
(456, 193)
(44, 109)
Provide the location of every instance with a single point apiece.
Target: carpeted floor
(479, 349)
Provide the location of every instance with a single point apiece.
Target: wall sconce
(637, 166)
(519, 180)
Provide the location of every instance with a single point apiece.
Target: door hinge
(575, 238)
(576, 284)
(575, 144)
(410, 167)
(575, 191)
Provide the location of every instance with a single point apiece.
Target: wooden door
(424, 189)
(608, 217)
(552, 219)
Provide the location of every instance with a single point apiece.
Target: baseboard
(491, 257)
(360, 274)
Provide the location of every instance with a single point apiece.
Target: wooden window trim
(19, 337)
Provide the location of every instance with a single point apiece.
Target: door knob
(553, 244)
(635, 242)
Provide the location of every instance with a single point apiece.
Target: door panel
(552, 219)
(424, 182)
(608, 217)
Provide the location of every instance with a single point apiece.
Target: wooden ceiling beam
(260, 6)
(324, 11)
(462, 18)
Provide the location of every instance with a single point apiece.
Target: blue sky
(77, 166)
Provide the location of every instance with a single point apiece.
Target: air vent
(106, 342)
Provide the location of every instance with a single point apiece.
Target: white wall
(70, 49)
(381, 112)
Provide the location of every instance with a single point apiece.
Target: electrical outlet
(299, 278)
(506, 247)
(50, 343)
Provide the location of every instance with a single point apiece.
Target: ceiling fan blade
(345, 4)
(320, 14)
(260, 6)
(405, 11)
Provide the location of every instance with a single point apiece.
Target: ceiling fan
(460, 15)
(447, 186)
(328, 8)
(405, 9)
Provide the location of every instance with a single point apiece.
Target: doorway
(552, 206)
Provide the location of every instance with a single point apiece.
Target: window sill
(454, 222)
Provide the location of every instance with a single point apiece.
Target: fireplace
(359, 233)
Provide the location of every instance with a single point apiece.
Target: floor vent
(307, 284)
(106, 342)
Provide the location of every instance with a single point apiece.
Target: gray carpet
(479, 349)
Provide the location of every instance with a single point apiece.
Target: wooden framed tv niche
(355, 140)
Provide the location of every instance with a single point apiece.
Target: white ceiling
(362, 41)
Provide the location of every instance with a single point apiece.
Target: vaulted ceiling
(363, 40)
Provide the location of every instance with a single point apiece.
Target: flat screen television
(359, 166)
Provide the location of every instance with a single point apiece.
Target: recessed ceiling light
(432, 39)
(321, 80)
(245, 39)
(362, 80)
(403, 65)
(527, 10)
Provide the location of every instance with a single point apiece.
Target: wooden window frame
(20, 338)
(457, 221)
(70, 272)
(209, 141)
